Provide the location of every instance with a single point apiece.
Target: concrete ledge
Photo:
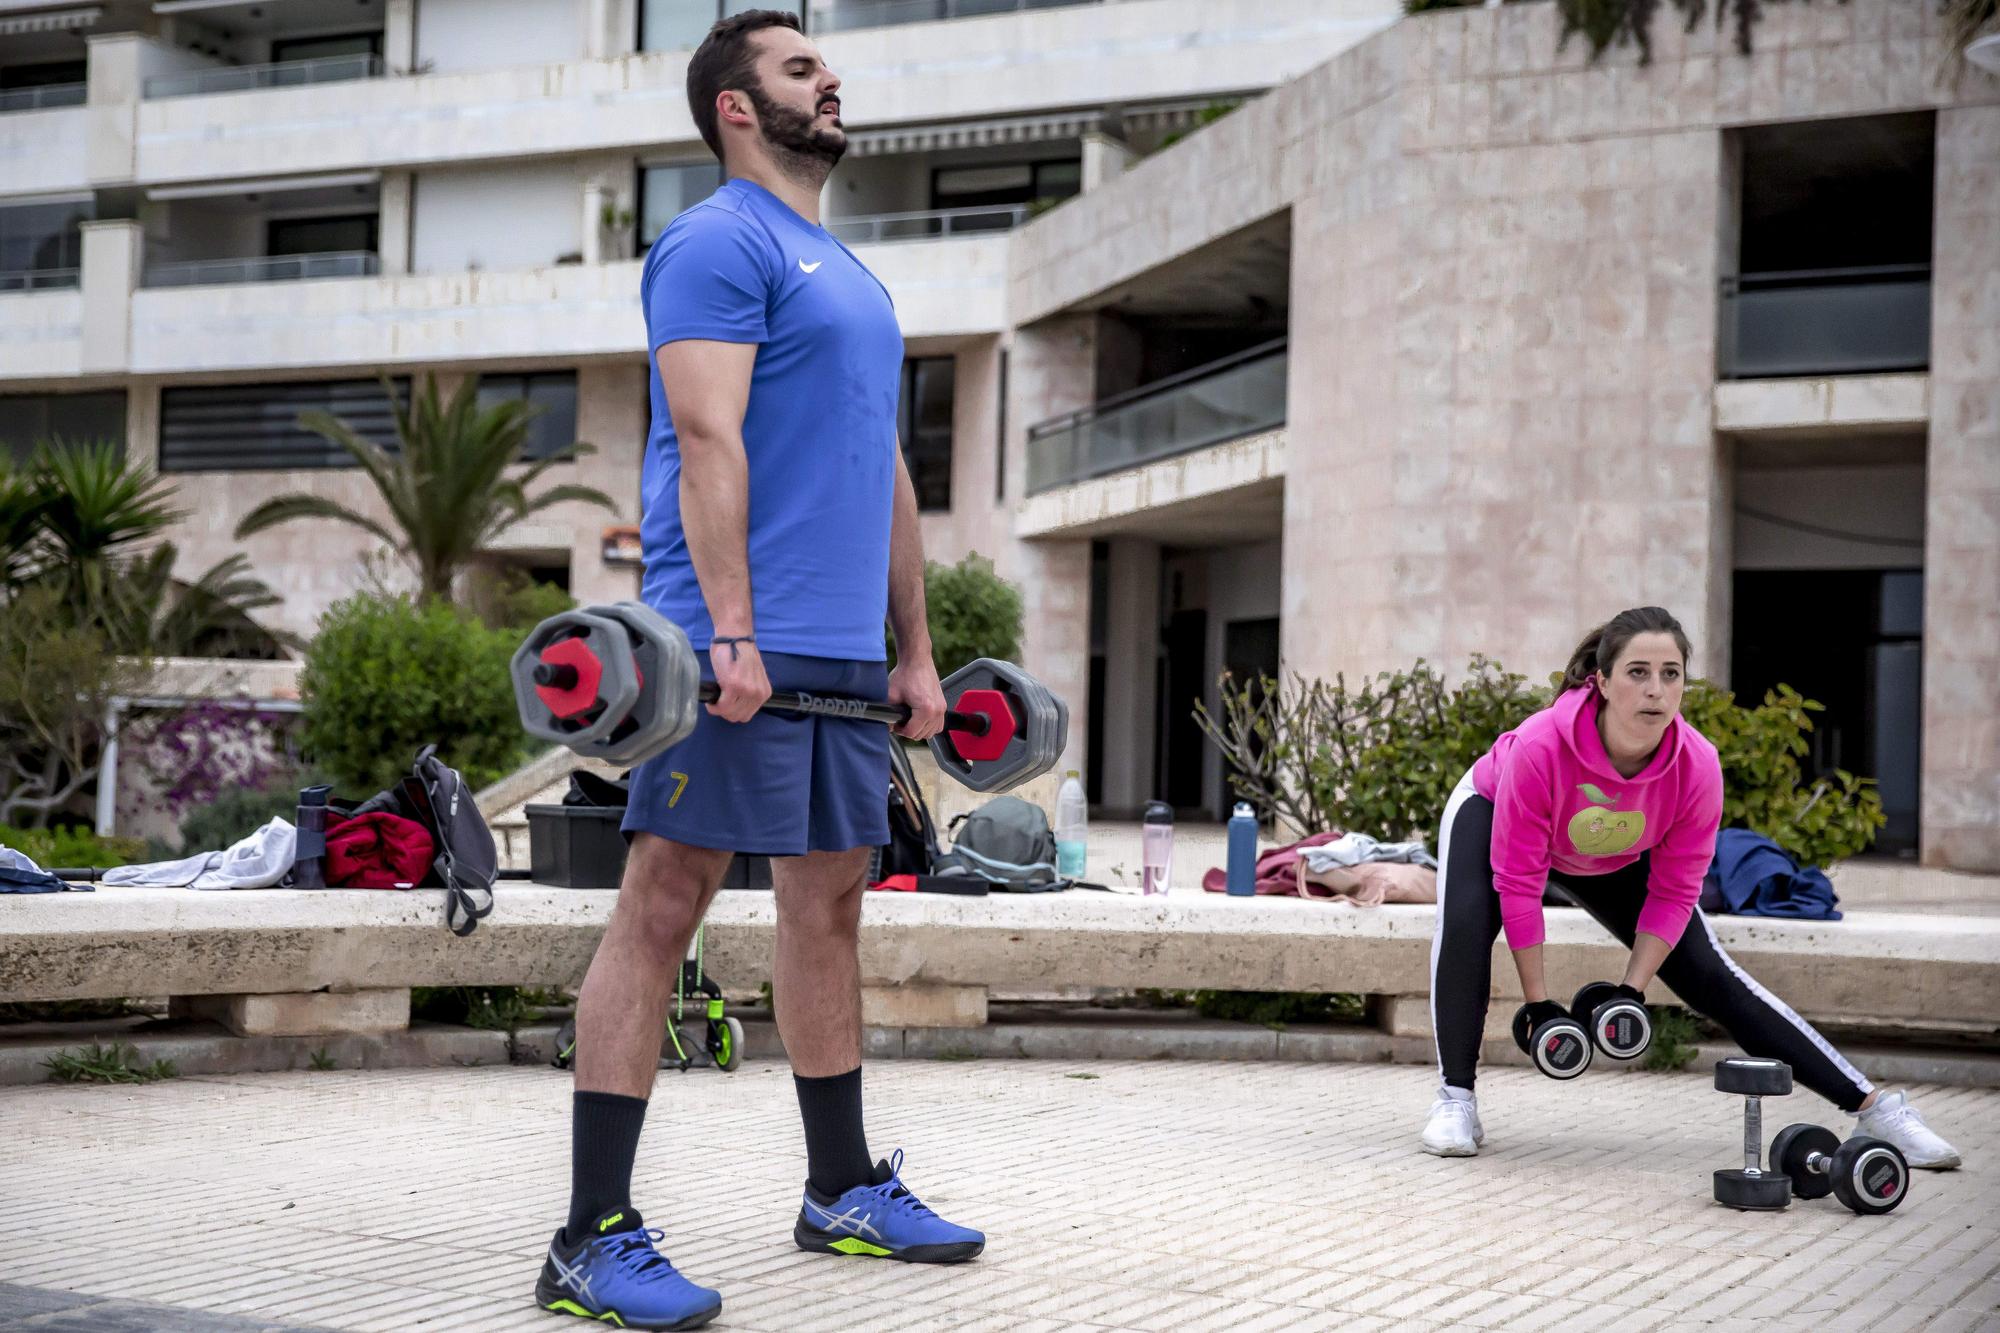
(1212, 485)
(1835, 403)
(203, 1048)
(316, 1013)
(1909, 970)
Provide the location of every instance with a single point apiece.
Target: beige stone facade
(1505, 262)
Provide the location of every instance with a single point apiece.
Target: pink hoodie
(1558, 804)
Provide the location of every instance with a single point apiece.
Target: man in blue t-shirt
(780, 530)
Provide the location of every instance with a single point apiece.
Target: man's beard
(801, 149)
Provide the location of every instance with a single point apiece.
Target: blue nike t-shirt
(819, 431)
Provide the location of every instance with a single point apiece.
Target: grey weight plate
(1007, 768)
(669, 699)
(586, 642)
(1750, 1076)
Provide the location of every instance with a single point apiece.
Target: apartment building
(1446, 340)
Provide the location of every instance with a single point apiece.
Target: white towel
(257, 862)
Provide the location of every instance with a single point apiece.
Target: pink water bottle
(1156, 848)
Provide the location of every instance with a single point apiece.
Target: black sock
(836, 1146)
(603, 1142)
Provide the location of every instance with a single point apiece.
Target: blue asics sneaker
(883, 1219)
(615, 1275)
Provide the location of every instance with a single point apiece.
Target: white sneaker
(1894, 1120)
(1453, 1129)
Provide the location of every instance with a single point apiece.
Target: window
(553, 427)
(1006, 183)
(320, 236)
(923, 421)
(255, 427)
(37, 237)
(679, 25)
(28, 419)
(668, 191)
(325, 48)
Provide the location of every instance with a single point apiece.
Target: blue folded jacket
(1753, 876)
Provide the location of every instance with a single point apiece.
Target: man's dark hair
(727, 58)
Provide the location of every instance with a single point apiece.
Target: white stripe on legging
(1459, 794)
(1785, 1011)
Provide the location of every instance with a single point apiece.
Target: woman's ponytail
(1582, 662)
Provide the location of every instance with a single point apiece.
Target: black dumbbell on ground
(1552, 1039)
(1868, 1175)
(1751, 1187)
(1619, 1026)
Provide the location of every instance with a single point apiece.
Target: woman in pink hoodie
(1612, 793)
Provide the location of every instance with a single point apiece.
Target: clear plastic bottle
(1072, 827)
(1156, 848)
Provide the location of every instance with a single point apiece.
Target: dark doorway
(1182, 685)
(1853, 640)
(1249, 654)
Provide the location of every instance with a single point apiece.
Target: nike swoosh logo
(813, 267)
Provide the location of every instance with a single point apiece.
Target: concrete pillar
(396, 216)
(111, 92)
(1961, 740)
(1131, 652)
(399, 36)
(113, 253)
(1051, 370)
(142, 423)
(315, 1013)
(596, 196)
(923, 1006)
(1104, 158)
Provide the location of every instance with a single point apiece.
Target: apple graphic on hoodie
(1601, 830)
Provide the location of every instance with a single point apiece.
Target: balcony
(45, 98)
(1845, 321)
(852, 14)
(881, 228)
(1228, 399)
(245, 78)
(268, 268)
(40, 279)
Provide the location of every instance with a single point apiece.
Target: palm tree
(448, 488)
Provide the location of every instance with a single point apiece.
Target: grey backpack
(1008, 843)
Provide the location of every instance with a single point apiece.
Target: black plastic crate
(582, 847)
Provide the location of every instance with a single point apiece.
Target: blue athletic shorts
(781, 784)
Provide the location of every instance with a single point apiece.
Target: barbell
(621, 683)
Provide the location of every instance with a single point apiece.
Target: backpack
(467, 862)
(1008, 843)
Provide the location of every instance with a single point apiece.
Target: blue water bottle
(1243, 851)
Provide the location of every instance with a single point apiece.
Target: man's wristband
(730, 641)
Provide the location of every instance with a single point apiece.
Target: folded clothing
(19, 874)
(377, 851)
(256, 862)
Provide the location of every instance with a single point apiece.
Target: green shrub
(385, 676)
(71, 845)
(119, 1062)
(493, 1008)
(1763, 787)
(1383, 758)
(973, 613)
(1675, 1032)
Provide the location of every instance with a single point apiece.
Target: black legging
(1700, 973)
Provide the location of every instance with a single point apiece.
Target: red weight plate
(981, 749)
(589, 672)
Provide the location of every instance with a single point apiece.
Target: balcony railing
(1239, 395)
(42, 98)
(1826, 322)
(270, 268)
(285, 74)
(39, 279)
(881, 227)
(850, 14)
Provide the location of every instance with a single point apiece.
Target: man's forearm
(907, 615)
(715, 513)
